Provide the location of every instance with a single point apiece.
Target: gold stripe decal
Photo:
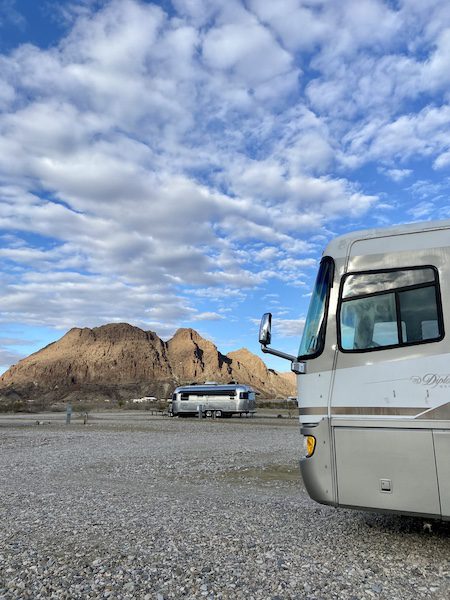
(363, 410)
(440, 413)
(316, 410)
(419, 412)
(377, 410)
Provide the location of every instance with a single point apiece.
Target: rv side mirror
(265, 334)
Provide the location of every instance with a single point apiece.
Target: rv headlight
(309, 444)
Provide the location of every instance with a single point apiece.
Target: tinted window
(382, 281)
(389, 308)
(419, 313)
(369, 323)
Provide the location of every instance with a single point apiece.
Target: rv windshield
(314, 332)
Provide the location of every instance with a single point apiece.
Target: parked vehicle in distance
(213, 399)
(374, 372)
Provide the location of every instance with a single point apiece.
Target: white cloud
(293, 264)
(442, 161)
(208, 316)
(236, 48)
(7, 358)
(397, 174)
(289, 327)
(298, 24)
(424, 133)
(421, 211)
(430, 191)
(151, 159)
(266, 254)
(65, 299)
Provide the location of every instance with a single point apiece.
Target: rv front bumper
(316, 470)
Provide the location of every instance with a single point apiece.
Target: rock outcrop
(193, 358)
(116, 362)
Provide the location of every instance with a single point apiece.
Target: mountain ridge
(118, 361)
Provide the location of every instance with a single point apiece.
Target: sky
(183, 163)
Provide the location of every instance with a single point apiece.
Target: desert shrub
(12, 405)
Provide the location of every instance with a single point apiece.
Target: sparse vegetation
(12, 405)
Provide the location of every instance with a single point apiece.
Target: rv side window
(384, 309)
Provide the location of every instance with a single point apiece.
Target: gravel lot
(134, 506)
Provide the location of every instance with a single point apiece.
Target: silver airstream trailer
(374, 372)
(213, 399)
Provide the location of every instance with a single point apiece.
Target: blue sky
(183, 164)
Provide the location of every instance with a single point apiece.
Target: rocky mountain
(117, 362)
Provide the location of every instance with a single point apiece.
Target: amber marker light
(310, 444)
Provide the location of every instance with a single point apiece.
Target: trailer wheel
(208, 413)
(218, 414)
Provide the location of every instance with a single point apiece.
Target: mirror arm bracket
(297, 367)
(278, 353)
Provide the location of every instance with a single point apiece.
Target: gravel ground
(132, 506)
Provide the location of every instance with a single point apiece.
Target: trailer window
(211, 392)
(194, 395)
(391, 308)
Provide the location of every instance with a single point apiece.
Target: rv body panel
(411, 386)
(391, 239)
(442, 448)
(313, 396)
(387, 469)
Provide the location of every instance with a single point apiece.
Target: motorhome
(214, 400)
(373, 372)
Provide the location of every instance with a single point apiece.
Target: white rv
(374, 372)
(213, 399)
